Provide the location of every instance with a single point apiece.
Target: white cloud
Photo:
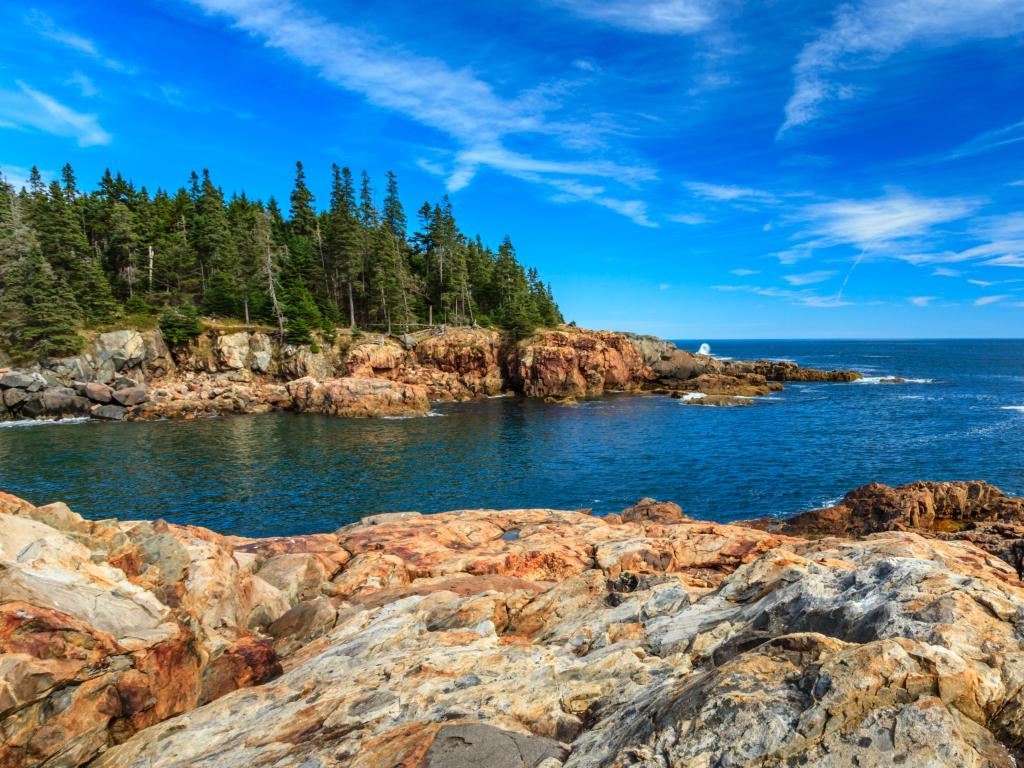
(1006, 260)
(990, 299)
(867, 33)
(48, 29)
(664, 287)
(729, 193)
(693, 219)
(946, 272)
(659, 17)
(745, 272)
(921, 301)
(455, 102)
(1017, 183)
(870, 223)
(809, 278)
(84, 84)
(32, 109)
(990, 140)
(804, 297)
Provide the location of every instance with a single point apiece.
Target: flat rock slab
(473, 745)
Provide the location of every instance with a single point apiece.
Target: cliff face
(517, 637)
(571, 363)
(131, 374)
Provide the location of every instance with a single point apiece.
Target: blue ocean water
(961, 416)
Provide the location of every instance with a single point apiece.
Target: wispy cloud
(729, 193)
(984, 300)
(84, 84)
(990, 140)
(693, 219)
(946, 272)
(870, 223)
(454, 102)
(658, 17)
(48, 29)
(867, 33)
(921, 301)
(745, 272)
(28, 108)
(802, 297)
(809, 278)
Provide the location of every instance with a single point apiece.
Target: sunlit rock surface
(517, 637)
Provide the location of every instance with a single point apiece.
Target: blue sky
(691, 168)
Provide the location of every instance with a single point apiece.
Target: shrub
(179, 324)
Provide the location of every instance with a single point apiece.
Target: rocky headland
(129, 374)
(884, 631)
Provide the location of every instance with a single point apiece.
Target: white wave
(42, 422)
(402, 418)
(693, 396)
(829, 503)
(1012, 408)
(704, 349)
(889, 380)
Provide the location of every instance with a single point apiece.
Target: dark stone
(62, 401)
(108, 412)
(32, 406)
(123, 382)
(131, 396)
(473, 745)
(16, 380)
(14, 397)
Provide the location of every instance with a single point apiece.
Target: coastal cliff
(521, 638)
(130, 374)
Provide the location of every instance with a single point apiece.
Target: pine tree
(394, 214)
(36, 307)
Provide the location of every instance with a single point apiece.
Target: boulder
(131, 396)
(262, 352)
(14, 397)
(233, 350)
(358, 397)
(652, 511)
(117, 351)
(18, 380)
(108, 412)
(98, 393)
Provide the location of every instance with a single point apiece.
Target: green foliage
(303, 316)
(179, 324)
(71, 259)
(139, 305)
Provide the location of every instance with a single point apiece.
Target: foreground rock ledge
(512, 638)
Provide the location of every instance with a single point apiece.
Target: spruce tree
(36, 307)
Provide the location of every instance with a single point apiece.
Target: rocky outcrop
(358, 397)
(571, 363)
(535, 638)
(969, 511)
(722, 381)
(227, 370)
(107, 628)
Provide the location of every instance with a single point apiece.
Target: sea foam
(42, 422)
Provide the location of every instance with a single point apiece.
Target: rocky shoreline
(886, 630)
(133, 375)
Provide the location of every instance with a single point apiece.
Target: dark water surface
(284, 474)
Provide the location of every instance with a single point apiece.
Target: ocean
(960, 415)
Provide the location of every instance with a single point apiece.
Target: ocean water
(961, 416)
